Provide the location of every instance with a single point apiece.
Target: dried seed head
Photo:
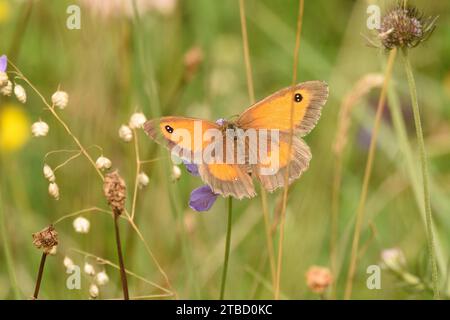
(60, 99)
(46, 239)
(101, 278)
(192, 60)
(125, 133)
(143, 180)
(137, 120)
(53, 190)
(405, 27)
(318, 279)
(20, 93)
(68, 263)
(103, 163)
(114, 188)
(39, 129)
(93, 291)
(176, 172)
(3, 79)
(89, 269)
(7, 89)
(48, 173)
(81, 225)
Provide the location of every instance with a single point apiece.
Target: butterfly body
(229, 154)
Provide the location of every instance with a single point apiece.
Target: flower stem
(367, 175)
(227, 247)
(123, 275)
(291, 134)
(39, 278)
(424, 167)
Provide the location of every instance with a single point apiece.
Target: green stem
(424, 167)
(227, 248)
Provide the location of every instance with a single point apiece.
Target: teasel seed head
(103, 163)
(114, 188)
(125, 133)
(39, 129)
(405, 27)
(46, 239)
(53, 190)
(137, 120)
(20, 93)
(60, 99)
(7, 89)
(48, 173)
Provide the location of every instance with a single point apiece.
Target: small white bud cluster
(60, 99)
(125, 133)
(143, 180)
(53, 189)
(20, 93)
(103, 163)
(39, 129)
(81, 225)
(137, 120)
(6, 89)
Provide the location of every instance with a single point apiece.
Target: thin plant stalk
(227, 247)
(251, 94)
(424, 169)
(291, 134)
(123, 274)
(367, 176)
(39, 277)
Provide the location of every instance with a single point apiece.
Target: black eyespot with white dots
(298, 97)
(169, 129)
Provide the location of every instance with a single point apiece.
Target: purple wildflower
(191, 168)
(202, 198)
(3, 63)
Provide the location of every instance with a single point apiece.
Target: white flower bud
(137, 120)
(7, 89)
(176, 172)
(93, 291)
(60, 99)
(20, 93)
(125, 133)
(3, 79)
(53, 250)
(393, 259)
(81, 225)
(89, 269)
(103, 163)
(68, 263)
(143, 180)
(39, 129)
(53, 190)
(48, 173)
(101, 278)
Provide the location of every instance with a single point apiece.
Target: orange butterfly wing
(225, 179)
(274, 112)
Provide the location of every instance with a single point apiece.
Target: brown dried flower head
(46, 239)
(318, 279)
(115, 191)
(405, 27)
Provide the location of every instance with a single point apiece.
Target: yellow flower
(14, 127)
(5, 11)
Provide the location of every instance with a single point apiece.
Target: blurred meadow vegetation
(123, 61)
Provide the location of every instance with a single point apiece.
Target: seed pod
(53, 190)
(39, 129)
(20, 93)
(143, 180)
(7, 89)
(48, 173)
(137, 120)
(125, 133)
(103, 163)
(60, 99)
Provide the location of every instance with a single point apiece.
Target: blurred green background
(128, 58)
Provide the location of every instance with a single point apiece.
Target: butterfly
(185, 137)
